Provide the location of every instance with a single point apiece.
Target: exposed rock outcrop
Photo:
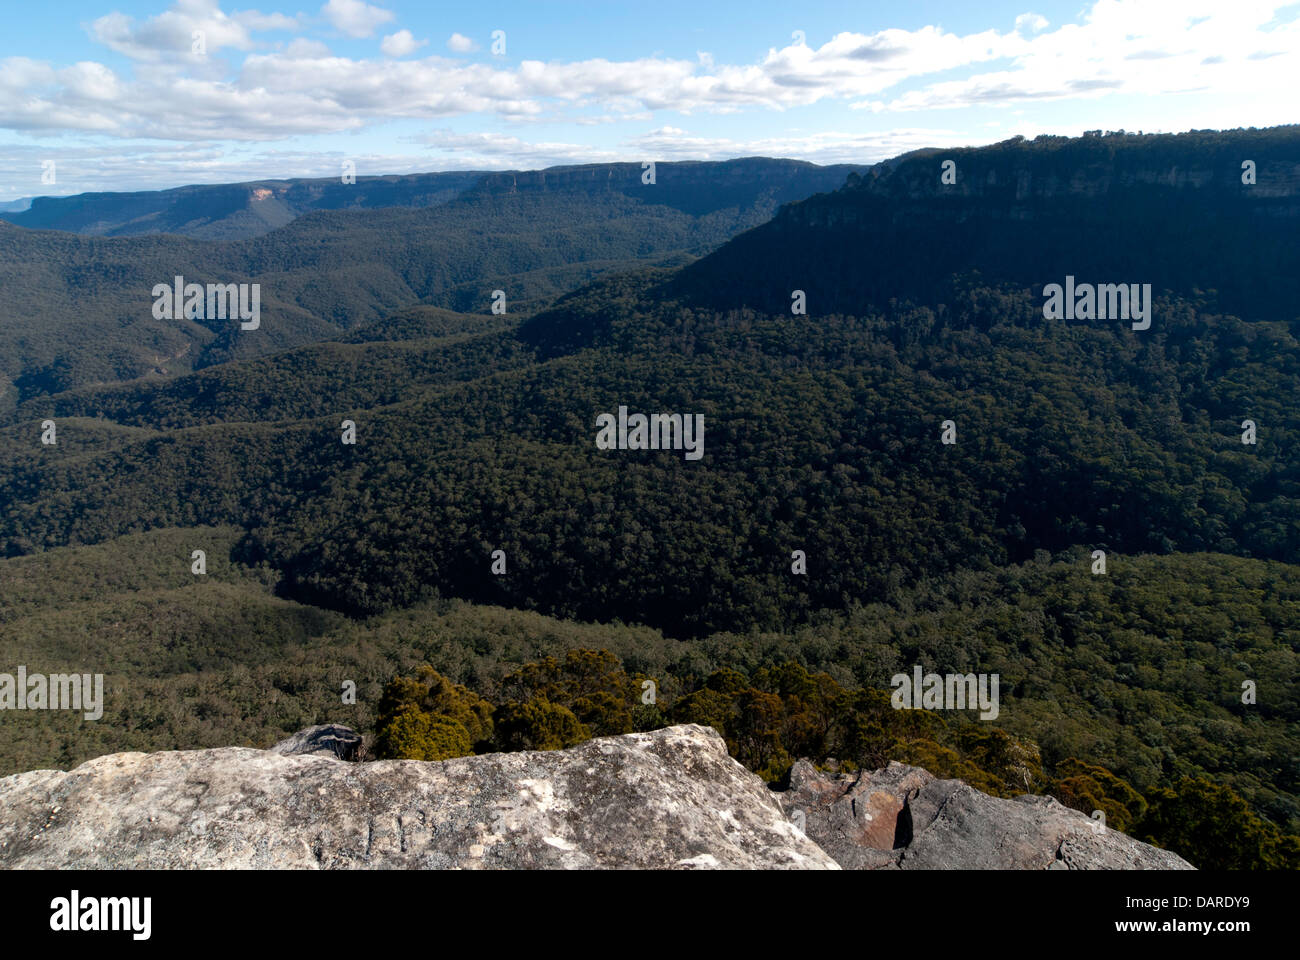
(671, 798)
(325, 740)
(903, 817)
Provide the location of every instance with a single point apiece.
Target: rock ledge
(672, 798)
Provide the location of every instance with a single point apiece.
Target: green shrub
(412, 734)
(538, 724)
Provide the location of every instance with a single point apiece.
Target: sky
(103, 95)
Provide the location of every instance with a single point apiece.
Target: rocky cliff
(1187, 213)
(668, 799)
(753, 187)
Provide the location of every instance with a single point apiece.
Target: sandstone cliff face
(668, 799)
(1015, 181)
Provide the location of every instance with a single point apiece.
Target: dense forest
(821, 436)
(824, 439)
(1117, 694)
(784, 711)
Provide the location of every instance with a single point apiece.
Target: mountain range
(79, 309)
(944, 459)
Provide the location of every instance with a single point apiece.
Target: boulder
(326, 740)
(903, 817)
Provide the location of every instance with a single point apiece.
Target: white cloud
(500, 151)
(400, 44)
(304, 49)
(1134, 47)
(170, 34)
(459, 43)
(1031, 22)
(355, 17)
(673, 143)
(146, 167)
(91, 81)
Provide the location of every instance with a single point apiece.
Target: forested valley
(372, 562)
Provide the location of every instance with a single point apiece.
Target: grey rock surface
(902, 817)
(326, 740)
(671, 798)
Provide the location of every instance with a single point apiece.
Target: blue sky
(115, 96)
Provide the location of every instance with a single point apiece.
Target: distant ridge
(231, 211)
(1121, 207)
(78, 308)
(240, 211)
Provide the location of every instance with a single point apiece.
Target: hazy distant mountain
(238, 211)
(78, 309)
(231, 211)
